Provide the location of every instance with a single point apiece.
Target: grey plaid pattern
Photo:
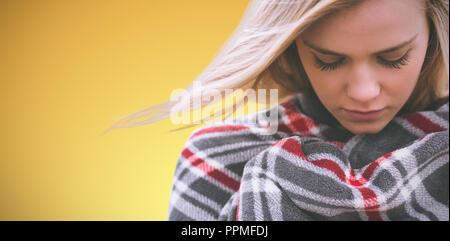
(313, 169)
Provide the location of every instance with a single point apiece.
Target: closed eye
(395, 63)
(325, 66)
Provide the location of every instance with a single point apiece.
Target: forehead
(375, 23)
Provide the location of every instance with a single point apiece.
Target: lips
(363, 115)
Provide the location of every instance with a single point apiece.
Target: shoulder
(219, 129)
(271, 124)
(234, 141)
(227, 142)
(440, 104)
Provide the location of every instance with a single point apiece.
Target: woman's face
(364, 62)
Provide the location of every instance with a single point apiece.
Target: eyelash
(328, 66)
(390, 64)
(396, 63)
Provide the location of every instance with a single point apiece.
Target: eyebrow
(329, 52)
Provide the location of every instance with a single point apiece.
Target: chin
(364, 128)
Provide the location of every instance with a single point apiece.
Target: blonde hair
(261, 53)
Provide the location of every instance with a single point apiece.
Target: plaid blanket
(314, 169)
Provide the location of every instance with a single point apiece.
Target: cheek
(402, 83)
(325, 83)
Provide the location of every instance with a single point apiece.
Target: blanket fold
(314, 169)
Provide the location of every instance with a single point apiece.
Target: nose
(363, 85)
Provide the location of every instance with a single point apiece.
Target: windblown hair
(261, 54)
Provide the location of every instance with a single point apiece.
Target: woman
(361, 135)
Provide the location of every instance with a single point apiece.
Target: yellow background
(66, 68)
